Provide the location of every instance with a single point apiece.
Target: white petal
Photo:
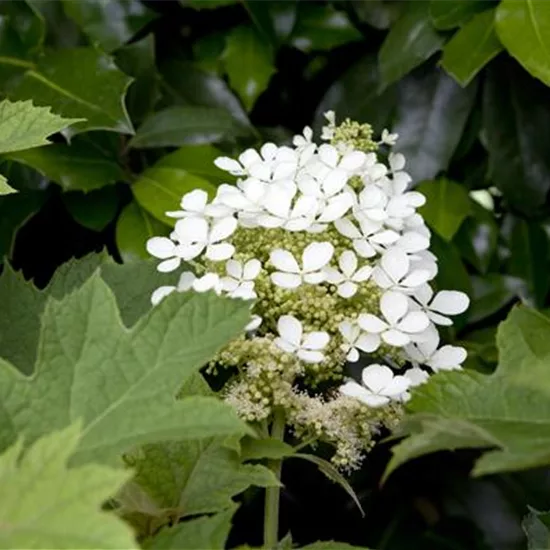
(229, 284)
(398, 385)
(353, 389)
(363, 248)
(249, 157)
(234, 269)
(229, 165)
(353, 355)
(310, 356)
(336, 207)
(206, 282)
(424, 294)
(252, 269)
(416, 376)
(439, 319)
(186, 281)
(219, 252)
(413, 242)
(371, 323)
(328, 154)
(395, 263)
(363, 274)
(395, 338)
(368, 342)
(316, 256)
(393, 305)
(161, 247)
(286, 280)
(222, 229)
(347, 289)
(376, 377)
(353, 161)
(315, 277)
(268, 151)
(396, 161)
(281, 343)
(348, 229)
(277, 201)
(450, 302)
(447, 358)
(255, 322)
(349, 331)
(195, 201)
(413, 322)
(315, 340)
(334, 182)
(385, 237)
(284, 261)
(290, 329)
(332, 275)
(416, 278)
(285, 170)
(348, 263)
(192, 230)
(189, 251)
(160, 293)
(169, 265)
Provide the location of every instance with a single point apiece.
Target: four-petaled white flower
(445, 302)
(425, 352)
(380, 385)
(195, 235)
(291, 339)
(394, 272)
(164, 249)
(348, 277)
(239, 282)
(368, 238)
(354, 340)
(290, 275)
(387, 138)
(399, 327)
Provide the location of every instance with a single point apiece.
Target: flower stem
(272, 494)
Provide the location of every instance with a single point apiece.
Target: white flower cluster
(315, 190)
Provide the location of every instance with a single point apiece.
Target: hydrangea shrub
(327, 244)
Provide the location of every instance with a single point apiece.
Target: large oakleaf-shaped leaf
(507, 412)
(46, 504)
(122, 383)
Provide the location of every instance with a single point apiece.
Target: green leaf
(133, 229)
(177, 126)
(447, 206)
(432, 112)
(471, 48)
(507, 412)
(529, 252)
(94, 210)
(5, 189)
(186, 84)
(209, 532)
(160, 188)
(409, 43)
(45, 504)
(333, 474)
(264, 19)
(97, 95)
(524, 30)
(27, 22)
(448, 14)
(321, 27)
(536, 526)
(254, 449)
(491, 293)
(193, 477)
(84, 349)
(355, 95)
(477, 237)
(516, 120)
(23, 125)
(377, 13)
(76, 167)
(108, 24)
(332, 545)
(248, 61)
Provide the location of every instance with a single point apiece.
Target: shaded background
(166, 85)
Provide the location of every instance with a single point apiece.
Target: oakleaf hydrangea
(327, 244)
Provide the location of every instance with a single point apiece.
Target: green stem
(272, 494)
